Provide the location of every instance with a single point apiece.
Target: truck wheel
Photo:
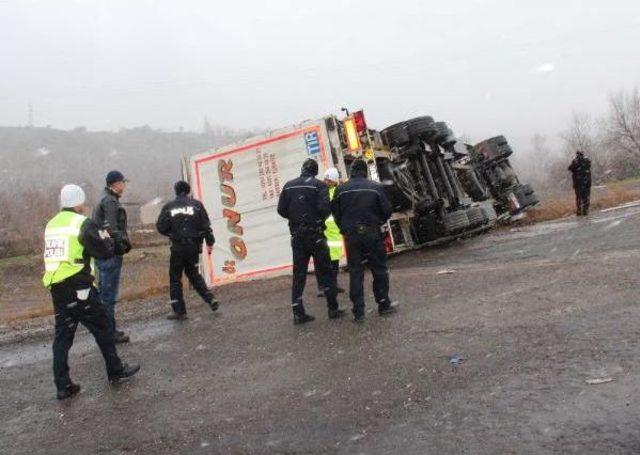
(528, 200)
(442, 132)
(497, 140)
(476, 217)
(421, 127)
(396, 135)
(526, 189)
(489, 213)
(454, 222)
(504, 150)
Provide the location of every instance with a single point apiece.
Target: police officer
(332, 233)
(185, 221)
(71, 242)
(580, 169)
(360, 208)
(111, 216)
(304, 201)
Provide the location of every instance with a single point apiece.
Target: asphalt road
(532, 314)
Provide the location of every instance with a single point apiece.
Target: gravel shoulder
(534, 312)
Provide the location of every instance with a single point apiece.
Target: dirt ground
(535, 312)
(22, 295)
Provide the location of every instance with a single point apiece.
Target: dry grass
(564, 204)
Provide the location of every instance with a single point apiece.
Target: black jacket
(581, 172)
(360, 202)
(94, 247)
(112, 217)
(184, 218)
(304, 201)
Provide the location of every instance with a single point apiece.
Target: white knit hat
(71, 196)
(332, 174)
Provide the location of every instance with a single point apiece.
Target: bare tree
(535, 165)
(623, 128)
(586, 134)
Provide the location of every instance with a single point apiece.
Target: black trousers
(184, 258)
(583, 196)
(367, 246)
(305, 245)
(335, 269)
(71, 309)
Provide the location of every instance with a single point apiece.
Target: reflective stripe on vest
(63, 253)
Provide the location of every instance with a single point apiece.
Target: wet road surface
(528, 316)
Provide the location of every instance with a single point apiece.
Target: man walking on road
(186, 222)
(360, 208)
(332, 233)
(71, 242)
(304, 201)
(112, 217)
(580, 169)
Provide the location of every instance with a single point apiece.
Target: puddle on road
(26, 354)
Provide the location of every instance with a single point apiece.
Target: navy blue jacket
(360, 201)
(304, 201)
(185, 218)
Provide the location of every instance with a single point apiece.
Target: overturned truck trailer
(415, 160)
(486, 173)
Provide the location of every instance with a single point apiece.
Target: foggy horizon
(485, 67)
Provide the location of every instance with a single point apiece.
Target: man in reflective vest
(332, 233)
(71, 242)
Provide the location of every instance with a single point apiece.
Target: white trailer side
(239, 186)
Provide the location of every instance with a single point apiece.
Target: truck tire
(455, 222)
(497, 140)
(489, 213)
(504, 150)
(442, 132)
(421, 127)
(526, 189)
(493, 148)
(396, 135)
(476, 217)
(425, 229)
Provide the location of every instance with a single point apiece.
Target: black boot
(359, 318)
(69, 391)
(388, 309)
(336, 314)
(126, 372)
(302, 318)
(213, 303)
(177, 316)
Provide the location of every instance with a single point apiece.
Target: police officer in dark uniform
(185, 221)
(304, 201)
(580, 169)
(360, 208)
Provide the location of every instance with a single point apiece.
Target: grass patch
(564, 204)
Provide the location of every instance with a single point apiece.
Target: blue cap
(115, 176)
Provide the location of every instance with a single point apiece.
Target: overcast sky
(484, 66)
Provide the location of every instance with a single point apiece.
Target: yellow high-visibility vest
(332, 233)
(63, 252)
